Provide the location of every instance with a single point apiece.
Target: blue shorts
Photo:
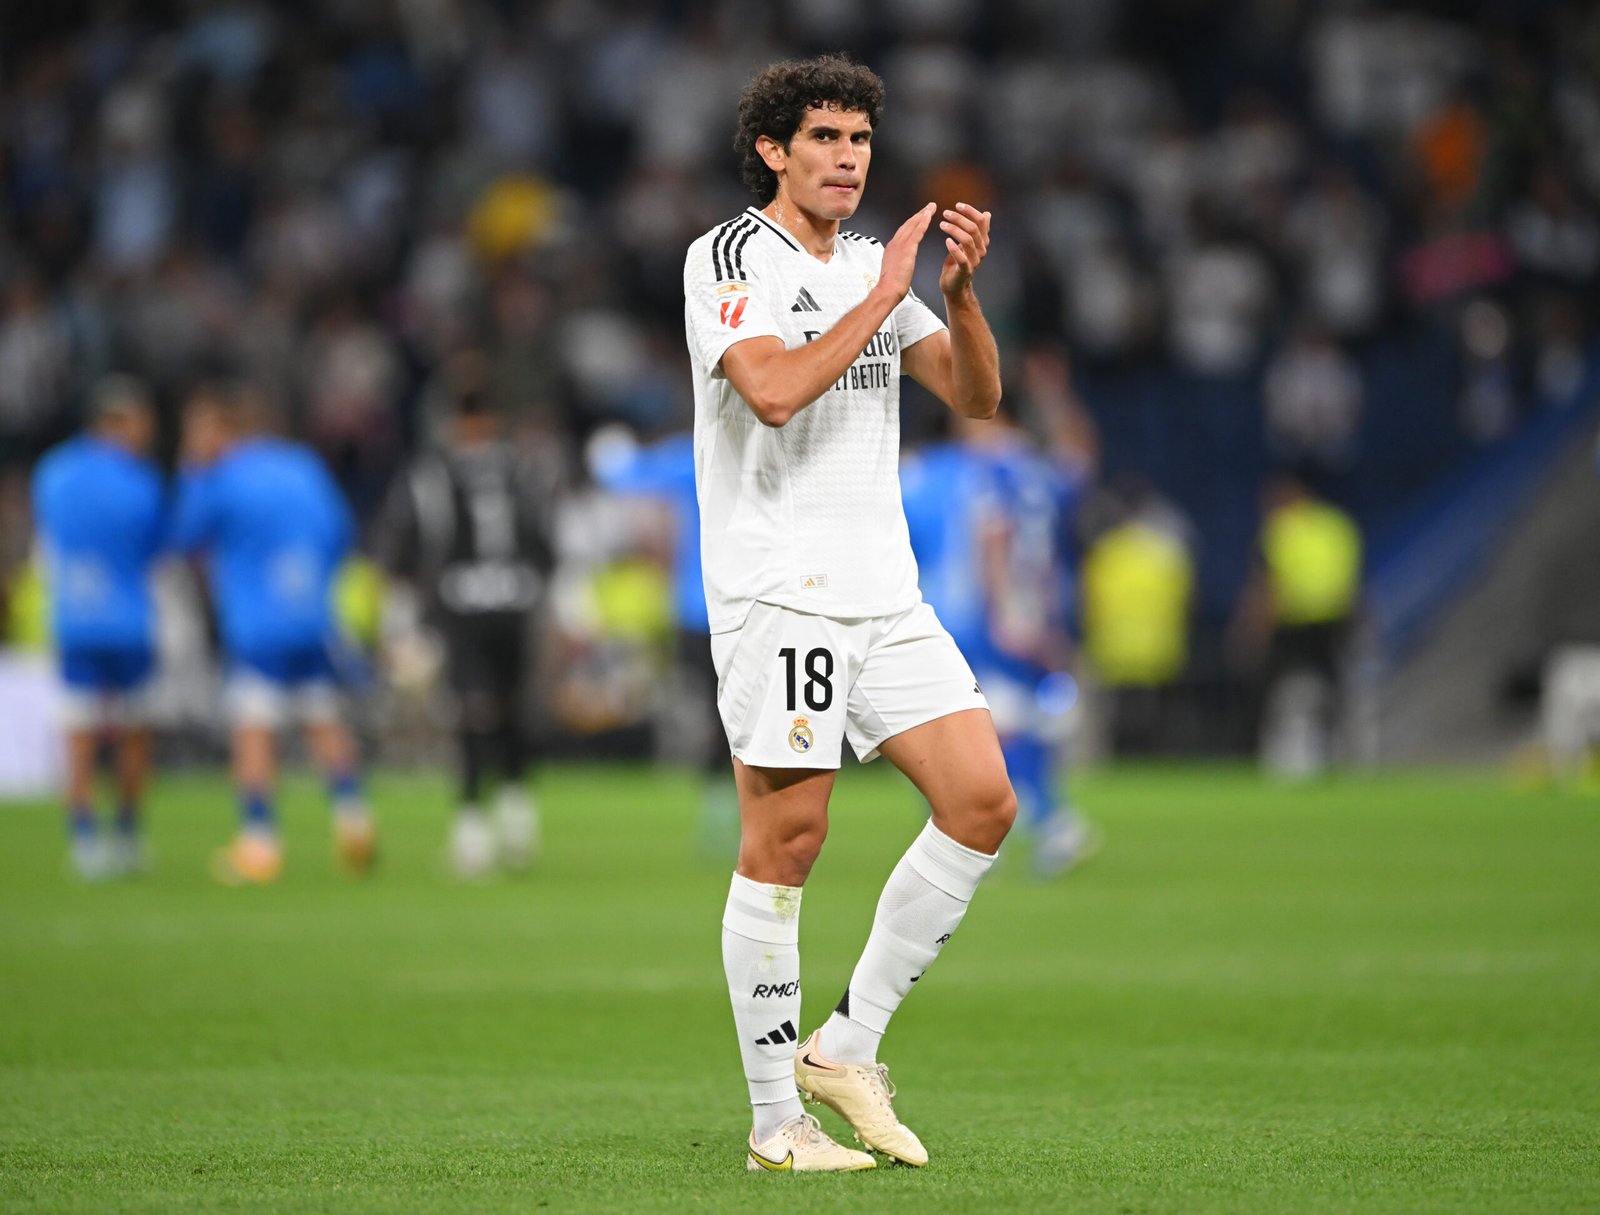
(106, 668)
(105, 686)
(272, 687)
(290, 666)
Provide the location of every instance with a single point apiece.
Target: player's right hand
(900, 254)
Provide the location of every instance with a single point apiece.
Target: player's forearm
(974, 357)
(786, 381)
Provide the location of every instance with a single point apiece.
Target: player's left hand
(966, 240)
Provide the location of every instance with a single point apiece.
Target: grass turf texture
(1374, 995)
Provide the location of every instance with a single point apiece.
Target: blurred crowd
(335, 198)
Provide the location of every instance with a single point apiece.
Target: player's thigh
(783, 683)
(473, 654)
(510, 650)
(317, 699)
(918, 704)
(956, 763)
(913, 673)
(105, 686)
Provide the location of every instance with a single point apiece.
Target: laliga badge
(800, 738)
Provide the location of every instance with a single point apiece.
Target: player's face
(824, 169)
(203, 434)
(140, 429)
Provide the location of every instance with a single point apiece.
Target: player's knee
(1000, 809)
(801, 849)
(783, 859)
(986, 816)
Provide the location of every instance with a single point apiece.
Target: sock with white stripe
(921, 905)
(761, 957)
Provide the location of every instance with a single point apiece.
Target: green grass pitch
(1374, 995)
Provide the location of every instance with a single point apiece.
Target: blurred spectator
(35, 354)
(1336, 234)
(1561, 362)
(352, 372)
(1489, 397)
(1220, 293)
(1554, 235)
(1450, 145)
(1313, 401)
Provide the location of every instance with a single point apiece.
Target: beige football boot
(859, 1093)
(799, 1146)
(255, 858)
(355, 839)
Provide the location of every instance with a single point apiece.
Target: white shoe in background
(472, 844)
(517, 822)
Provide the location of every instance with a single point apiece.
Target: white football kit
(818, 629)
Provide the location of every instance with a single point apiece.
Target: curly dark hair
(777, 99)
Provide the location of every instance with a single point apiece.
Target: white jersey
(806, 515)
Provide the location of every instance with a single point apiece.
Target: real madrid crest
(800, 737)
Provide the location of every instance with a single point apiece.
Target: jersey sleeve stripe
(716, 247)
(723, 245)
(738, 252)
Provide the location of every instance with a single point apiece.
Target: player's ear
(773, 153)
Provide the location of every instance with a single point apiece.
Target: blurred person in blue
(664, 470)
(100, 509)
(990, 519)
(465, 531)
(272, 529)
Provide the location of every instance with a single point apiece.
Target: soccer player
(989, 515)
(273, 529)
(467, 525)
(99, 506)
(798, 333)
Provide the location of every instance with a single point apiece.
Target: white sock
(923, 901)
(761, 957)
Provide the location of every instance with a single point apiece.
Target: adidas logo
(804, 303)
(781, 1036)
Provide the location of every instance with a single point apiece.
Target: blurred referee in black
(467, 527)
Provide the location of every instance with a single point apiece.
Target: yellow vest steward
(1313, 555)
(1136, 587)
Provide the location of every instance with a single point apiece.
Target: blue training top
(665, 470)
(100, 512)
(275, 527)
(952, 493)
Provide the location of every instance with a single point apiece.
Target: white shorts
(252, 699)
(84, 709)
(791, 687)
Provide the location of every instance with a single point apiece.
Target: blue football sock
(80, 820)
(128, 818)
(255, 811)
(1030, 764)
(344, 786)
